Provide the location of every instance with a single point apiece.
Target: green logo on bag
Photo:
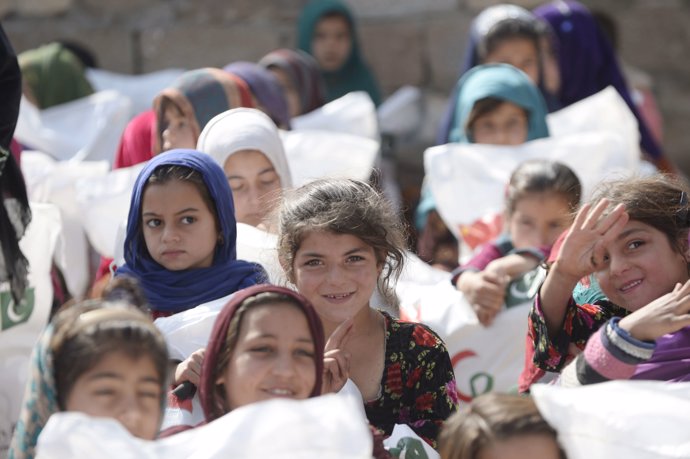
(523, 289)
(12, 314)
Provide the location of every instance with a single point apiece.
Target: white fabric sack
(603, 111)
(84, 129)
(21, 326)
(468, 180)
(354, 113)
(630, 419)
(314, 154)
(103, 203)
(141, 89)
(484, 359)
(259, 246)
(323, 427)
(401, 113)
(54, 182)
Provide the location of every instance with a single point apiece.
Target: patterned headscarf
(304, 74)
(200, 95)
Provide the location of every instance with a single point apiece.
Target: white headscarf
(245, 129)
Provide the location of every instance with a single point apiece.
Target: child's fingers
(581, 216)
(613, 224)
(594, 214)
(340, 336)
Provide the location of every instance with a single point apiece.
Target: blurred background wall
(407, 42)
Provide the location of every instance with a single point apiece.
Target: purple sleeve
(487, 254)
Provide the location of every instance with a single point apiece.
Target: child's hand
(584, 247)
(190, 369)
(485, 291)
(666, 314)
(336, 361)
(513, 265)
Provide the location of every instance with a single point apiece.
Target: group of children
(216, 159)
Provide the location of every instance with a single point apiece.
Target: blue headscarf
(499, 81)
(175, 291)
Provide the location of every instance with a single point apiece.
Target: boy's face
(332, 42)
(507, 124)
(177, 132)
(518, 52)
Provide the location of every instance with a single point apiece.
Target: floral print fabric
(418, 383)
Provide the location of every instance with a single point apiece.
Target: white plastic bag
(329, 426)
(21, 326)
(630, 419)
(354, 113)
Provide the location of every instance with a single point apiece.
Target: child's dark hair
(87, 332)
(490, 418)
(543, 176)
(485, 106)
(168, 173)
(126, 289)
(343, 206)
(660, 201)
(508, 29)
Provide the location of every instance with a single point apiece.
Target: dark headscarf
(175, 291)
(266, 89)
(54, 74)
(587, 61)
(218, 342)
(201, 94)
(15, 213)
(304, 73)
(354, 75)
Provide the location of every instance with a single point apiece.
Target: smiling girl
(634, 239)
(338, 240)
(181, 232)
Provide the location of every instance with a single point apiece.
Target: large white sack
(354, 113)
(84, 129)
(314, 154)
(326, 427)
(603, 111)
(468, 180)
(21, 326)
(55, 182)
(141, 89)
(484, 358)
(103, 202)
(616, 419)
(401, 114)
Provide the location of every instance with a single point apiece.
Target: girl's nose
(284, 365)
(170, 234)
(130, 415)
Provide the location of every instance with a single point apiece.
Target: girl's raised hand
(666, 314)
(584, 247)
(336, 361)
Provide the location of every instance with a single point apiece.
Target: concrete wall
(418, 42)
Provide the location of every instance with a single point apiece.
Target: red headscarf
(218, 341)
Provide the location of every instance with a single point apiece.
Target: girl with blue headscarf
(496, 104)
(181, 234)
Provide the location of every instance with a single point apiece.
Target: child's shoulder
(411, 335)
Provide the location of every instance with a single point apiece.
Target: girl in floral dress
(338, 240)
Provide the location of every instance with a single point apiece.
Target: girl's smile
(337, 273)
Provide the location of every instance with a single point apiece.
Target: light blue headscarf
(499, 81)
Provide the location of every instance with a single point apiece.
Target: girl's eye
(313, 262)
(153, 223)
(355, 258)
(104, 392)
(635, 244)
(149, 394)
(261, 350)
(188, 220)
